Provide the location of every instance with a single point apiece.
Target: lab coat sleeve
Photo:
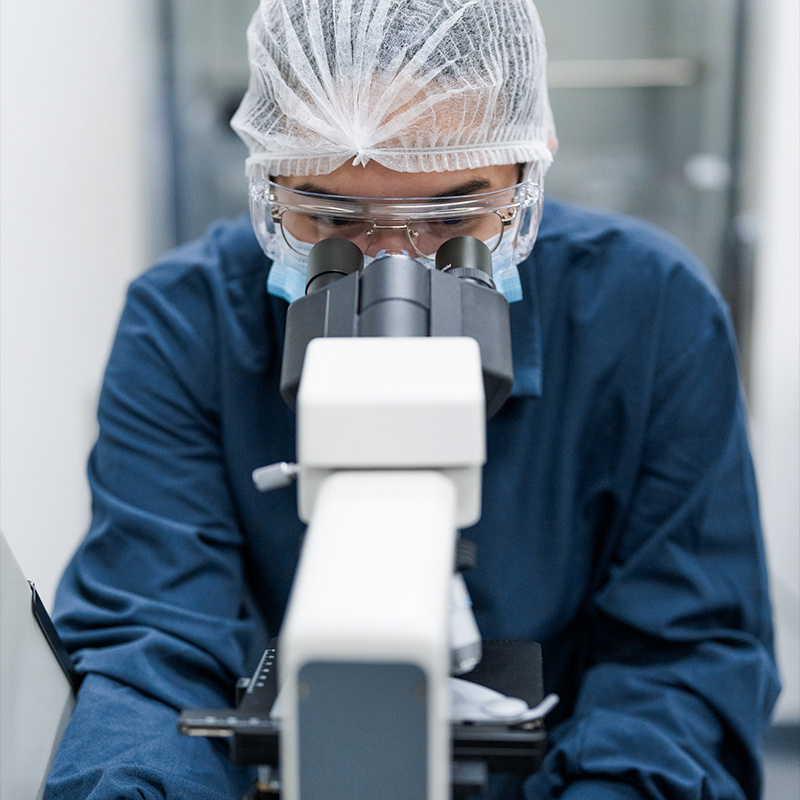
(152, 605)
(680, 677)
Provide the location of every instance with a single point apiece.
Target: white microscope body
(391, 441)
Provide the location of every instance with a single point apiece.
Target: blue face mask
(287, 276)
(504, 271)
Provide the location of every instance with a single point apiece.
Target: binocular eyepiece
(462, 257)
(396, 295)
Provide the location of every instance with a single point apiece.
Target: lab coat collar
(526, 336)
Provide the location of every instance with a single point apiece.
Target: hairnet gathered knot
(417, 85)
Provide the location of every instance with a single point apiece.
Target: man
(619, 524)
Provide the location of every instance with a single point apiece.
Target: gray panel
(37, 698)
(363, 731)
(207, 69)
(634, 148)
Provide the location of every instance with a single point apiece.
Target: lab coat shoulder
(628, 285)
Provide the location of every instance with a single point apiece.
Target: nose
(392, 239)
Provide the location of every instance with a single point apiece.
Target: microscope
(379, 686)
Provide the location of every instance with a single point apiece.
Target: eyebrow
(462, 189)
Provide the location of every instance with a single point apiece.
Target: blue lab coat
(620, 525)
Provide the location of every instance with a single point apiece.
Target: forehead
(375, 180)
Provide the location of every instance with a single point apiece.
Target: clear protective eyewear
(305, 218)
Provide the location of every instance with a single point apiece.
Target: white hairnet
(417, 85)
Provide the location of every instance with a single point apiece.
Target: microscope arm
(364, 652)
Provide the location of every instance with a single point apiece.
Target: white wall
(72, 233)
(775, 375)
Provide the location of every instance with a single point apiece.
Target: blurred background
(115, 145)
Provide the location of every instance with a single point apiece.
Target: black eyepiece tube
(453, 256)
(395, 298)
(330, 260)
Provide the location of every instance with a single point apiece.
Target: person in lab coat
(620, 525)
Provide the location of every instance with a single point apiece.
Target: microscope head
(397, 296)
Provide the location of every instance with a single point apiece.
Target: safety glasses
(425, 223)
